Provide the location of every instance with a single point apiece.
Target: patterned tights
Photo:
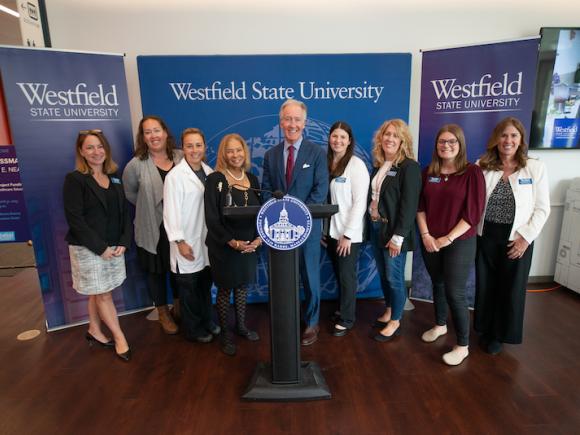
(223, 307)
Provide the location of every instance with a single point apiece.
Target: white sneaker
(456, 356)
(434, 333)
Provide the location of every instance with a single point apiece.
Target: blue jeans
(391, 272)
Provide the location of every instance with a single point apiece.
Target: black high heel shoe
(125, 356)
(91, 340)
(383, 338)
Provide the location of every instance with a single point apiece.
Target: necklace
(446, 177)
(245, 194)
(234, 177)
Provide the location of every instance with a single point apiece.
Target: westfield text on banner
(50, 96)
(474, 87)
(243, 94)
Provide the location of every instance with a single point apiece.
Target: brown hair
(490, 160)
(339, 169)
(461, 157)
(192, 130)
(141, 150)
(403, 133)
(221, 163)
(81, 165)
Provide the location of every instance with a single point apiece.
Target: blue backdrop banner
(50, 96)
(243, 94)
(474, 87)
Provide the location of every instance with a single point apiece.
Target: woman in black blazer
(99, 233)
(394, 197)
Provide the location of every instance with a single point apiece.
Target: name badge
(115, 180)
(340, 179)
(391, 173)
(434, 180)
(525, 181)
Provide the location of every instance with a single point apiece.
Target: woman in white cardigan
(184, 220)
(516, 208)
(349, 181)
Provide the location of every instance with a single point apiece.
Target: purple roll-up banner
(50, 96)
(475, 87)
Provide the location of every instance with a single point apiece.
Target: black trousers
(500, 285)
(345, 270)
(449, 269)
(195, 297)
(157, 286)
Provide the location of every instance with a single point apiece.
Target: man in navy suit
(299, 168)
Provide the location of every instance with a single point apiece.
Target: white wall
(317, 26)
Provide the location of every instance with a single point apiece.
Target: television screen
(556, 116)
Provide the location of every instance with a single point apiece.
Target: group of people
(487, 214)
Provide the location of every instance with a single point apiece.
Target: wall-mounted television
(556, 116)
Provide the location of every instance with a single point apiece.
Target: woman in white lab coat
(184, 219)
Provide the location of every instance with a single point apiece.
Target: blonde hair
(81, 165)
(221, 162)
(405, 150)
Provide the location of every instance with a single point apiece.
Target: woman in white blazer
(184, 220)
(349, 182)
(517, 206)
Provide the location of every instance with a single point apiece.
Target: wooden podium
(285, 377)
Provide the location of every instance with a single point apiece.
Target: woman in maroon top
(450, 207)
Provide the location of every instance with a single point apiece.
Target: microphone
(278, 194)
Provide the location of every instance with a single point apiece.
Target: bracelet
(450, 239)
(425, 233)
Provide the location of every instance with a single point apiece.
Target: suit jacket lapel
(120, 193)
(279, 160)
(389, 178)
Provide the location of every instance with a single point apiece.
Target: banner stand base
(312, 385)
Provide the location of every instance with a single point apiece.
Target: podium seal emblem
(284, 224)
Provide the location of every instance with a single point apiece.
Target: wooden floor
(56, 384)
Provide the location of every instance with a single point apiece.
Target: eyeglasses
(451, 142)
(96, 130)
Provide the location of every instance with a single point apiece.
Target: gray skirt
(91, 274)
